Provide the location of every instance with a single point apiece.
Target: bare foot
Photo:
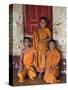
(21, 81)
(32, 78)
(57, 81)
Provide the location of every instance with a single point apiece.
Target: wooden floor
(37, 81)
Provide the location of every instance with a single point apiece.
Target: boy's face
(51, 45)
(26, 43)
(42, 23)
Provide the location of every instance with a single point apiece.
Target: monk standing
(52, 63)
(40, 45)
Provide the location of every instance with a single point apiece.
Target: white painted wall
(59, 27)
(17, 28)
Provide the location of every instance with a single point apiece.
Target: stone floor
(33, 82)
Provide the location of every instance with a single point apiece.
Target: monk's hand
(34, 51)
(47, 39)
(50, 70)
(53, 67)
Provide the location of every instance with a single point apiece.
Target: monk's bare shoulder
(48, 52)
(22, 50)
(57, 51)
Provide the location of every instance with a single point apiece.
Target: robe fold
(52, 66)
(28, 66)
(40, 45)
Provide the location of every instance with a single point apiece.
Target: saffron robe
(40, 45)
(52, 66)
(28, 66)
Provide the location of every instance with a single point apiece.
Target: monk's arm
(49, 34)
(48, 39)
(35, 39)
(57, 60)
(21, 60)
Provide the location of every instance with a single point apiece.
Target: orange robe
(28, 63)
(40, 46)
(52, 66)
(28, 58)
(28, 66)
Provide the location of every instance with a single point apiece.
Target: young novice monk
(52, 63)
(26, 63)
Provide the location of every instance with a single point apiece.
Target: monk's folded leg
(50, 78)
(31, 73)
(21, 75)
